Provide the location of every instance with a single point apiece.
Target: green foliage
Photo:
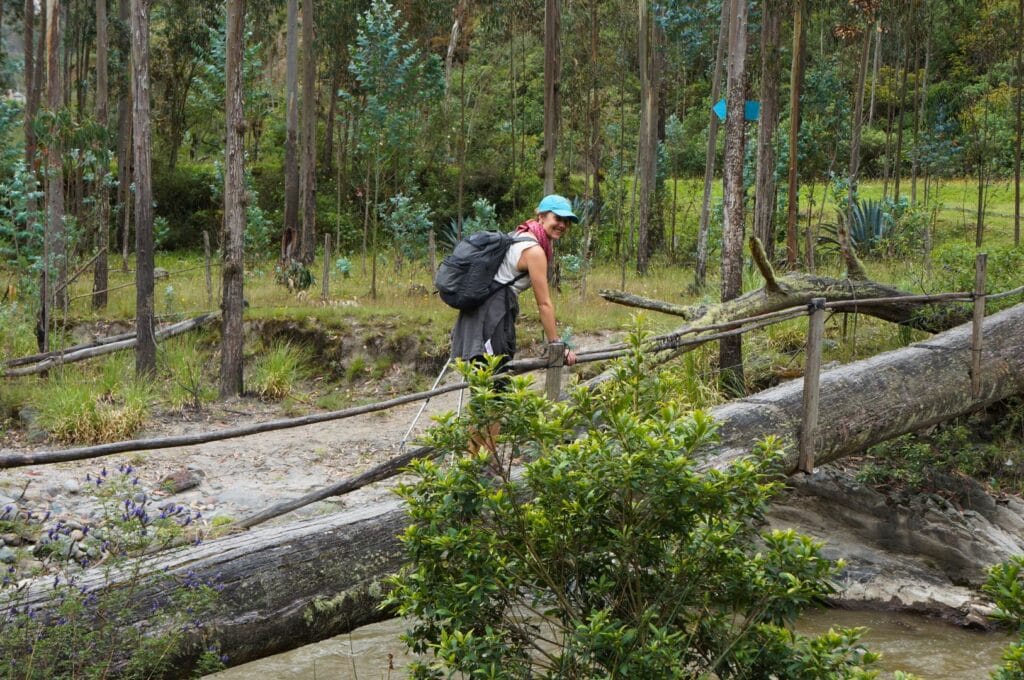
(954, 264)
(344, 267)
(918, 462)
(257, 224)
(1005, 585)
(613, 554)
(88, 630)
(182, 196)
(276, 372)
(21, 226)
(295, 276)
(408, 221)
(188, 369)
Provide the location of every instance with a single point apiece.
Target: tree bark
(730, 350)
(648, 159)
(124, 153)
(232, 333)
(288, 585)
(771, 74)
(145, 349)
(31, 86)
(55, 265)
(102, 241)
(291, 140)
(552, 87)
(1019, 127)
(307, 180)
(701, 270)
(855, 130)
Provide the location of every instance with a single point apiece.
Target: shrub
(613, 555)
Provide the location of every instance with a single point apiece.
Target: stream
(930, 649)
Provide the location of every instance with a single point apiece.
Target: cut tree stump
(289, 585)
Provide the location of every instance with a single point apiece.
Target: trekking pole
(440, 375)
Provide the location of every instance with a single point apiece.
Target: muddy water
(930, 649)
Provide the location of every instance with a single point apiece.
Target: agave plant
(870, 225)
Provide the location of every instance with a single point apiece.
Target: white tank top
(508, 269)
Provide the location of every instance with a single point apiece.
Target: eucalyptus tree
(102, 231)
(648, 156)
(771, 74)
(700, 271)
(730, 352)
(307, 139)
(796, 79)
(291, 137)
(552, 98)
(234, 205)
(396, 85)
(55, 244)
(142, 152)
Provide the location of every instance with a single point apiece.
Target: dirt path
(238, 477)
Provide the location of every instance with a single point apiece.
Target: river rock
(8, 556)
(918, 553)
(181, 480)
(72, 486)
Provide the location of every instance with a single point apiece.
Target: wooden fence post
(812, 373)
(553, 379)
(209, 276)
(980, 272)
(325, 291)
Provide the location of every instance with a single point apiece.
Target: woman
(490, 329)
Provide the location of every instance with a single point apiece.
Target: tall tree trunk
(898, 156)
(232, 333)
(124, 153)
(648, 158)
(145, 350)
(291, 139)
(730, 350)
(56, 264)
(919, 100)
(796, 79)
(102, 241)
(552, 86)
(1020, 128)
(855, 130)
(31, 85)
(332, 113)
(875, 69)
(979, 233)
(307, 181)
(701, 270)
(771, 73)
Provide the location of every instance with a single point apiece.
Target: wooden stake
(980, 271)
(812, 373)
(325, 292)
(553, 380)
(209, 277)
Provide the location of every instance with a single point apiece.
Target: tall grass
(94, 407)
(276, 373)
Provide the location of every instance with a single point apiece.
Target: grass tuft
(276, 373)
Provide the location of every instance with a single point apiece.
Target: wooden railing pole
(812, 373)
(553, 380)
(209, 276)
(980, 272)
(326, 290)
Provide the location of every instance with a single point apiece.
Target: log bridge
(288, 585)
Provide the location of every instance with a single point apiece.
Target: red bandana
(534, 228)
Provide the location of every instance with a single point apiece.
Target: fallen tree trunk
(927, 313)
(125, 341)
(289, 585)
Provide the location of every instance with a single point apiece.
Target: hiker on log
(490, 328)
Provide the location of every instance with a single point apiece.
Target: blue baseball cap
(559, 205)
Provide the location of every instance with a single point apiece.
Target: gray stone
(181, 480)
(77, 535)
(72, 486)
(8, 556)
(13, 540)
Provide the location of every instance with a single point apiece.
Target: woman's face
(554, 225)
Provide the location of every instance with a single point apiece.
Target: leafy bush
(613, 555)
(954, 267)
(1005, 585)
(408, 223)
(183, 197)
